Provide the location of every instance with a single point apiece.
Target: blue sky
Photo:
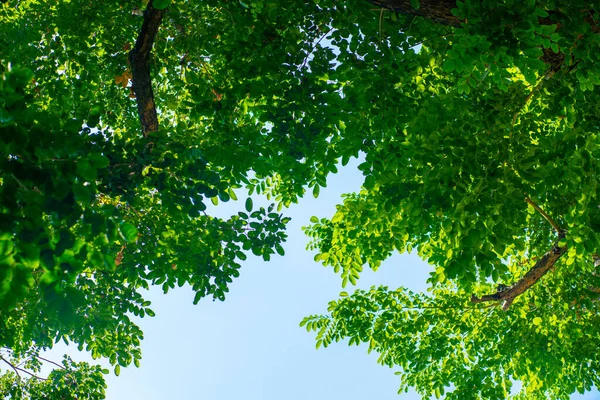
(250, 347)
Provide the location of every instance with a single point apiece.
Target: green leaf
(6, 247)
(95, 258)
(338, 217)
(249, 204)
(316, 191)
(161, 4)
(448, 65)
(314, 219)
(128, 232)
(84, 194)
(98, 160)
(279, 249)
(86, 170)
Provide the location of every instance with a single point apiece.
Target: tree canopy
(477, 121)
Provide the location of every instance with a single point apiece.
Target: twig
(51, 362)
(313, 49)
(17, 369)
(547, 76)
(380, 25)
(523, 262)
(546, 216)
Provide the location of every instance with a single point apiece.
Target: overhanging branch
(140, 69)
(435, 10)
(541, 267)
(440, 12)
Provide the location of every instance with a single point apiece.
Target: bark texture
(541, 267)
(440, 11)
(139, 58)
(434, 10)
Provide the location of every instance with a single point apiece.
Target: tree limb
(17, 369)
(435, 10)
(546, 216)
(541, 267)
(440, 11)
(140, 69)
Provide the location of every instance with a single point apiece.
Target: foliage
(478, 125)
(484, 158)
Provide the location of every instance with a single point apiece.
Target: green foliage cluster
(463, 128)
(81, 235)
(483, 117)
(440, 338)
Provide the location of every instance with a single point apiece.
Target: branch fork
(507, 294)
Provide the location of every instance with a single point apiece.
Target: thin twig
(313, 49)
(536, 88)
(546, 216)
(51, 362)
(17, 369)
(380, 25)
(12, 366)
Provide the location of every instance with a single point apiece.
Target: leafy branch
(541, 267)
(18, 369)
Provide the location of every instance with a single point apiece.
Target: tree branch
(17, 369)
(140, 69)
(51, 362)
(440, 11)
(435, 10)
(546, 216)
(541, 267)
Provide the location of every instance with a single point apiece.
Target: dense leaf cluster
(476, 122)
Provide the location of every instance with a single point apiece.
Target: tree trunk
(140, 69)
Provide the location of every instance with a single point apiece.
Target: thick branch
(541, 267)
(140, 69)
(435, 10)
(439, 11)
